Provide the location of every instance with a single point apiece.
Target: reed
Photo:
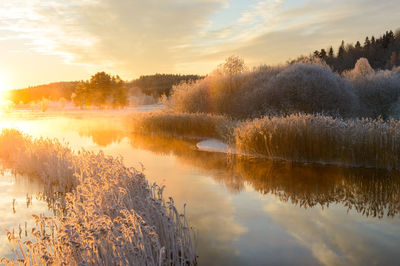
(112, 216)
(322, 139)
(195, 125)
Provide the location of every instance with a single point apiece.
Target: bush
(361, 69)
(378, 92)
(299, 87)
(309, 88)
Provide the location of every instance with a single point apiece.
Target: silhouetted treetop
(382, 53)
(159, 84)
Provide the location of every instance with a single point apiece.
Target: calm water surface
(247, 211)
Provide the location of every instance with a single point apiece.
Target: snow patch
(213, 145)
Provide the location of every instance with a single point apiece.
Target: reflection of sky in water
(247, 213)
(18, 188)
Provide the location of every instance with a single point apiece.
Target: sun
(4, 102)
(2, 89)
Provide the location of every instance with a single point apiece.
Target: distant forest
(153, 85)
(382, 53)
(53, 91)
(160, 84)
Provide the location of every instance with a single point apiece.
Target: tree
(331, 54)
(102, 90)
(341, 50)
(367, 43)
(322, 54)
(394, 59)
(233, 65)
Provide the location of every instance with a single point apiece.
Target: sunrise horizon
(46, 41)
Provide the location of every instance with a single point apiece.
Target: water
(247, 211)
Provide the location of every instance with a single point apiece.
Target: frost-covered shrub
(305, 87)
(394, 111)
(378, 92)
(192, 97)
(216, 93)
(361, 69)
(311, 89)
(323, 139)
(112, 217)
(220, 93)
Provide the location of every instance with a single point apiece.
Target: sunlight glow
(3, 85)
(5, 104)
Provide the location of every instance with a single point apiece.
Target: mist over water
(246, 210)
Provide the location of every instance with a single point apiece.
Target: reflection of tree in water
(368, 191)
(103, 131)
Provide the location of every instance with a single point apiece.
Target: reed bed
(322, 139)
(197, 125)
(112, 216)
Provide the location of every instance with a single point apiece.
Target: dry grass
(181, 124)
(322, 139)
(113, 216)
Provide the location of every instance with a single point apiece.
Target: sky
(42, 41)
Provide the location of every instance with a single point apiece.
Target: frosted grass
(112, 216)
(181, 124)
(322, 139)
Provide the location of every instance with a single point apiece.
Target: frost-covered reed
(181, 124)
(322, 139)
(112, 217)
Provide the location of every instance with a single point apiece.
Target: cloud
(131, 35)
(285, 31)
(336, 237)
(141, 37)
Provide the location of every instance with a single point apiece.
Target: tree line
(382, 53)
(102, 90)
(161, 84)
(52, 91)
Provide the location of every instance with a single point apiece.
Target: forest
(382, 53)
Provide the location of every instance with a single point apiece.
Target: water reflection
(368, 191)
(253, 211)
(20, 197)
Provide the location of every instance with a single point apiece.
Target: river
(247, 211)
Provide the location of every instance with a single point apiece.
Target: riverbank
(307, 138)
